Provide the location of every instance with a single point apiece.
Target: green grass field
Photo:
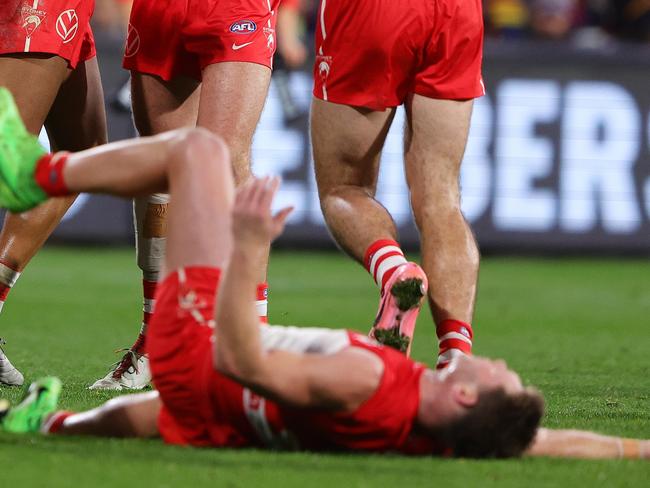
(579, 329)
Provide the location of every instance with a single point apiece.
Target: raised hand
(253, 222)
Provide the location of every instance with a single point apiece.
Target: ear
(465, 394)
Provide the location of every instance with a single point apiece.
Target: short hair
(499, 425)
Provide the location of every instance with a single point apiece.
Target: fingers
(279, 220)
(282, 215)
(270, 189)
(244, 191)
(259, 192)
(258, 189)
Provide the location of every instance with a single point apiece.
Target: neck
(434, 409)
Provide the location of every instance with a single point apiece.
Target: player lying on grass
(242, 384)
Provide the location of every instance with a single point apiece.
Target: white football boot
(130, 373)
(9, 375)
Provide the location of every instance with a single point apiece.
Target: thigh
(45, 72)
(159, 105)
(347, 143)
(436, 135)
(180, 351)
(232, 99)
(77, 118)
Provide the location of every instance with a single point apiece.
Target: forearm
(238, 350)
(587, 445)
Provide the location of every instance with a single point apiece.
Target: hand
(294, 52)
(253, 223)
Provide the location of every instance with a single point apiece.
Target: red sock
(49, 174)
(8, 278)
(381, 260)
(55, 422)
(149, 302)
(262, 302)
(454, 338)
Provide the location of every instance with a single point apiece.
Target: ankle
(382, 258)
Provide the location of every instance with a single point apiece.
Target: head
(487, 410)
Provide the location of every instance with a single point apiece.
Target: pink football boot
(399, 308)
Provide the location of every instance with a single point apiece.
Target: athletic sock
(381, 260)
(54, 423)
(150, 216)
(48, 174)
(149, 303)
(8, 278)
(454, 338)
(262, 302)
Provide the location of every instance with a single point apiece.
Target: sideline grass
(578, 329)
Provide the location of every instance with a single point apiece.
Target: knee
(333, 196)
(198, 148)
(435, 208)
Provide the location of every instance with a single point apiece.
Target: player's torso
(382, 423)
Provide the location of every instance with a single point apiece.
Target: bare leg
(347, 143)
(202, 191)
(232, 99)
(435, 142)
(125, 416)
(158, 106)
(76, 121)
(193, 163)
(196, 167)
(125, 168)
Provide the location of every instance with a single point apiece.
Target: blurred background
(558, 159)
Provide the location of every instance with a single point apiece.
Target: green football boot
(19, 153)
(28, 416)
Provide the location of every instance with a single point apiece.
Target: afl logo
(243, 27)
(67, 25)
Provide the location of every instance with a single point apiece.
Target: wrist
(249, 254)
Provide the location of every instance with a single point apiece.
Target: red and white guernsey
(204, 408)
(384, 422)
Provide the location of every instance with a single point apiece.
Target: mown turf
(578, 329)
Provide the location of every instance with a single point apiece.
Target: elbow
(224, 362)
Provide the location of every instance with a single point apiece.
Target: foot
(19, 153)
(39, 402)
(399, 307)
(131, 373)
(9, 375)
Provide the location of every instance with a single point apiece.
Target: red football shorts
(200, 406)
(60, 27)
(373, 53)
(168, 38)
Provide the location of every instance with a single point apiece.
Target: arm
(288, 29)
(342, 380)
(586, 445)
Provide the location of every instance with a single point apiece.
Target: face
(486, 373)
